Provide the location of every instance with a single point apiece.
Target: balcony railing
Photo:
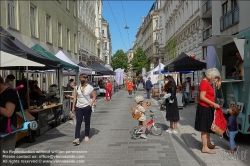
(207, 32)
(229, 19)
(206, 7)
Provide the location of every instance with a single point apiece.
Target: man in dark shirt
(69, 88)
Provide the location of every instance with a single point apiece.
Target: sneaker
(187, 106)
(76, 141)
(86, 139)
(174, 131)
(169, 130)
(143, 136)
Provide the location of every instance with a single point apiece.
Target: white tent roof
(157, 68)
(8, 60)
(64, 57)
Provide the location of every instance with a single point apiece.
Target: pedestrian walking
(186, 87)
(116, 86)
(148, 87)
(83, 107)
(130, 87)
(9, 105)
(108, 87)
(232, 127)
(134, 85)
(206, 107)
(172, 111)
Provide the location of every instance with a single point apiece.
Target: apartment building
(107, 44)
(89, 31)
(149, 34)
(52, 24)
(182, 29)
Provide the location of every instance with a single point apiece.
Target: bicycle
(152, 127)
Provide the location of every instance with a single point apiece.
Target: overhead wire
(125, 21)
(117, 25)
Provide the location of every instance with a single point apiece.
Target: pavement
(111, 144)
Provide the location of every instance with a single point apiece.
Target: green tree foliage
(171, 48)
(139, 61)
(119, 60)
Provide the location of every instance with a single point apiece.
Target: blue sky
(134, 10)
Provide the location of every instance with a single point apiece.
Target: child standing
(141, 109)
(130, 88)
(232, 127)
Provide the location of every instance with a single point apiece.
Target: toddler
(141, 109)
(232, 127)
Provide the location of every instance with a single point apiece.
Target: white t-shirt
(187, 87)
(83, 98)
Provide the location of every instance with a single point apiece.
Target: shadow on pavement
(92, 133)
(189, 151)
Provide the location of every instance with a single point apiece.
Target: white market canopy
(154, 77)
(64, 57)
(9, 60)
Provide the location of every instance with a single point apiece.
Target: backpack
(135, 116)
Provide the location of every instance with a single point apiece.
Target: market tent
(9, 44)
(40, 50)
(100, 68)
(9, 60)
(64, 57)
(153, 76)
(184, 62)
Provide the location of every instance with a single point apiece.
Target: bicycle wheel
(136, 132)
(156, 129)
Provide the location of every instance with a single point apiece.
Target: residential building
(149, 34)
(89, 31)
(106, 43)
(182, 29)
(130, 55)
(52, 24)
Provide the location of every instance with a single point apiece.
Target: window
(74, 6)
(103, 33)
(204, 49)
(156, 23)
(98, 52)
(12, 14)
(234, 3)
(75, 44)
(33, 25)
(48, 28)
(59, 26)
(224, 8)
(157, 49)
(105, 46)
(68, 39)
(67, 4)
(156, 36)
(106, 59)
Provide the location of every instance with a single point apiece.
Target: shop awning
(9, 60)
(184, 62)
(100, 68)
(9, 44)
(86, 66)
(40, 50)
(64, 57)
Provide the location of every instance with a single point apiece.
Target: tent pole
(27, 81)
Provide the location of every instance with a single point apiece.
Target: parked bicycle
(152, 128)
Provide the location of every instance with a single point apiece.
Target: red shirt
(206, 86)
(130, 85)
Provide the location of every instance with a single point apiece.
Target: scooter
(26, 125)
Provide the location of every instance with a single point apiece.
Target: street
(111, 144)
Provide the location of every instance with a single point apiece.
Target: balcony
(229, 19)
(206, 9)
(207, 32)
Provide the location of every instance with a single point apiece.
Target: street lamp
(126, 27)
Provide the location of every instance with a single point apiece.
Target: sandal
(209, 152)
(229, 151)
(213, 147)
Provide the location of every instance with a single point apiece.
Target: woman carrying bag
(206, 107)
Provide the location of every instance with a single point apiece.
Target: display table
(20, 121)
(46, 117)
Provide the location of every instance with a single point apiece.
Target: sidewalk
(188, 140)
(110, 139)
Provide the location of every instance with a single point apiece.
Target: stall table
(46, 117)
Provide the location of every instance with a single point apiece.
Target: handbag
(219, 124)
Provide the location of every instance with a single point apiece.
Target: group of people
(204, 113)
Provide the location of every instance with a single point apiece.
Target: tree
(119, 60)
(171, 48)
(139, 61)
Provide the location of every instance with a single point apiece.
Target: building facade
(37, 22)
(107, 44)
(149, 34)
(89, 31)
(182, 29)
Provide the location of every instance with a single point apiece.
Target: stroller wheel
(33, 125)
